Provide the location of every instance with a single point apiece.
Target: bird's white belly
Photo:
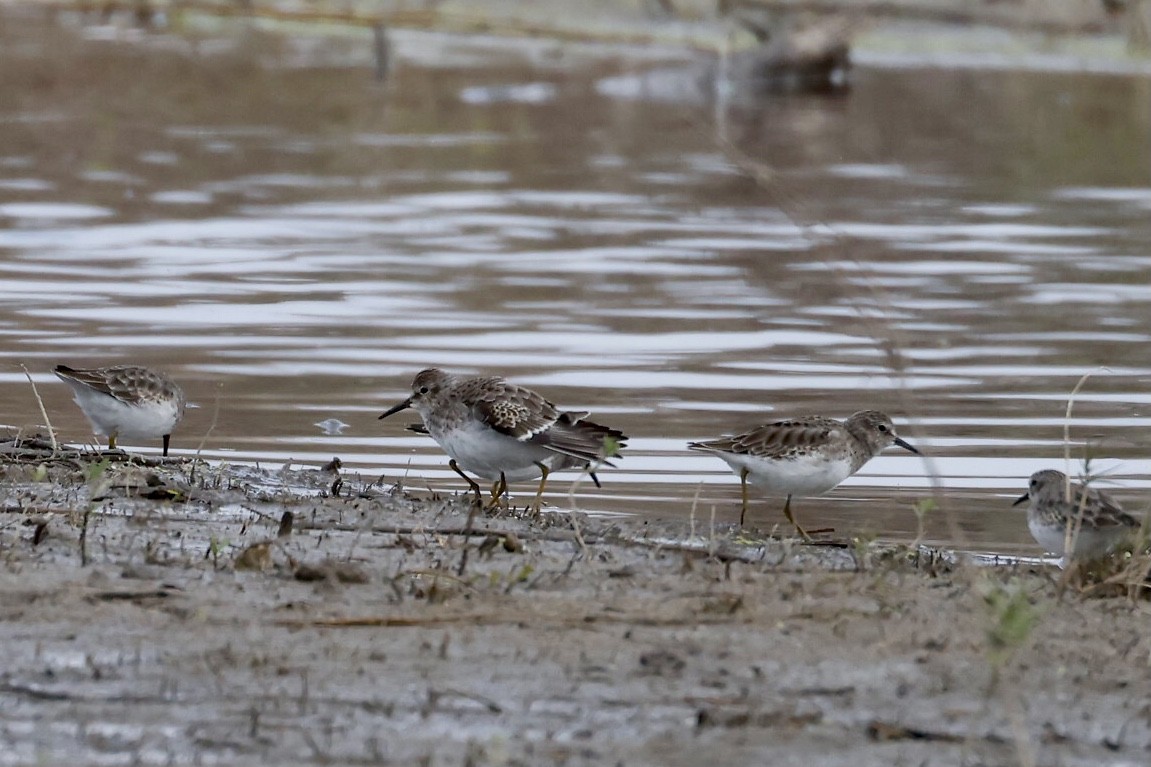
(1090, 543)
(109, 416)
(486, 453)
(1051, 539)
(807, 475)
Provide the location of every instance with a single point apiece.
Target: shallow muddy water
(293, 241)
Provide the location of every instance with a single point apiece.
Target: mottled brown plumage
(126, 401)
(1061, 512)
(804, 456)
(505, 432)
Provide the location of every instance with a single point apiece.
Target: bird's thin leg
(743, 493)
(111, 441)
(543, 481)
(791, 519)
(499, 489)
(167, 439)
(475, 488)
(1069, 575)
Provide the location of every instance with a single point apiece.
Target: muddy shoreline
(163, 613)
(380, 630)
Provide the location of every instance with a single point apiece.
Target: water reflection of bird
(794, 54)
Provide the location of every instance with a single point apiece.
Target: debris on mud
(243, 613)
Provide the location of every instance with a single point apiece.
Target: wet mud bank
(184, 613)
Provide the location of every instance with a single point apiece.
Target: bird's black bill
(906, 445)
(402, 406)
(1022, 498)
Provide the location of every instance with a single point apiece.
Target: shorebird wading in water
(504, 432)
(126, 401)
(803, 456)
(1072, 520)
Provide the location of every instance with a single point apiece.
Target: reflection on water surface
(293, 243)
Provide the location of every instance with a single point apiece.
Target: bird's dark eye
(423, 390)
(883, 427)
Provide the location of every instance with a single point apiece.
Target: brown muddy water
(293, 240)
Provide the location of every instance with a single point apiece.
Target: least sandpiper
(803, 456)
(504, 432)
(126, 401)
(555, 462)
(1066, 515)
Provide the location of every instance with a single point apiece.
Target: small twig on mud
(497, 618)
(572, 517)
(578, 535)
(463, 566)
(487, 703)
(691, 513)
(402, 621)
(43, 410)
(84, 538)
(304, 691)
(712, 542)
(559, 536)
(33, 692)
(398, 529)
(472, 509)
(711, 551)
(320, 755)
(437, 574)
(40, 532)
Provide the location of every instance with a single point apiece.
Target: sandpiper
(803, 456)
(555, 462)
(1065, 515)
(504, 432)
(126, 401)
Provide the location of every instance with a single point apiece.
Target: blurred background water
(292, 240)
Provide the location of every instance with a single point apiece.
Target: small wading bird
(803, 456)
(126, 401)
(503, 432)
(556, 462)
(1073, 521)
